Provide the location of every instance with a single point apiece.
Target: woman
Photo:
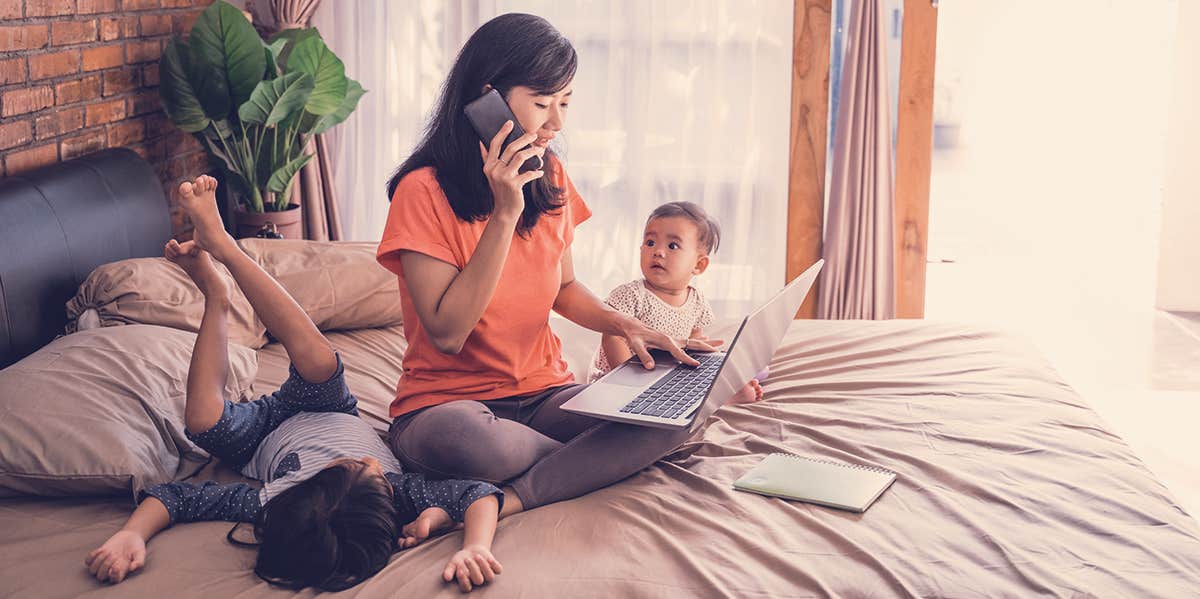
(483, 254)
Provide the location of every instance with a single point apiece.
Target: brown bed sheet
(1009, 486)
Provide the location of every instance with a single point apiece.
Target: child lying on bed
(334, 497)
(677, 241)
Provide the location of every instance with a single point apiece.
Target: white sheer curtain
(674, 100)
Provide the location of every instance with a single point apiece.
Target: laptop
(673, 395)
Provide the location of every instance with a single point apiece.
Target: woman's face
(543, 114)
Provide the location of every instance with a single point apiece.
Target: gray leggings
(545, 454)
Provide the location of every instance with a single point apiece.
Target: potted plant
(255, 105)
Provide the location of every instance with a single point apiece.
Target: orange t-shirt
(511, 350)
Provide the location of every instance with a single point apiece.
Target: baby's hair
(331, 531)
(706, 226)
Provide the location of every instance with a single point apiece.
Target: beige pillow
(101, 411)
(338, 283)
(155, 291)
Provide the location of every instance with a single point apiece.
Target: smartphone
(488, 114)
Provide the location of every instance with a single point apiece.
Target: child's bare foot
(198, 265)
(751, 393)
(432, 520)
(199, 200)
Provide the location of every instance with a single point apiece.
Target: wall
(1179, 244)
(78, 76)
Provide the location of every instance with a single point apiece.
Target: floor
(1045, 202)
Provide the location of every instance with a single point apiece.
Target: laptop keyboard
(679, 390)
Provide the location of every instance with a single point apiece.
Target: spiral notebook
(833, 484)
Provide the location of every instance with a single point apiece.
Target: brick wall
(77, 76)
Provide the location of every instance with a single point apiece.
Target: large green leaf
(275, 99)
(223, 39)
(287, 40)
(329, 74)
(281, 178)
(211, 86)
(175, 87)
(354, 91)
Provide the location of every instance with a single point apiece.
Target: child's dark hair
(331, 531)
(507, 51)
(707, 229)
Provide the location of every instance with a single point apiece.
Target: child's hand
(119, 556)
(432, 520)
(473, 566)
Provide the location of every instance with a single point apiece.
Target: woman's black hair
(507, 51)
(331, 531)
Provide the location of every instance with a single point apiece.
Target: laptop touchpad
(635, 375)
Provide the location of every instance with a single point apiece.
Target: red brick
(26, 160)
(21, 101)
(57, 64)
(110, 29)
(150, 75)
(104, 112)
(157, 125)
(129, 26)
(126, 132)
(59, 122)
(142, 51)
(14, 134)
(120, 81)
(72, 32)
(70, 92)
(12, 71)
(140, 4)
(84, 143)
(24, 37)
(89, 7)
(10, 9)
(49, 8)
(185, 3)
(103, 57)
(182, 23)
(142, 103)
(156, 24)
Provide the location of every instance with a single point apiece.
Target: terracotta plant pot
(287, 222)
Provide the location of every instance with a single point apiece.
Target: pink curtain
(859, 278)
(313, 189)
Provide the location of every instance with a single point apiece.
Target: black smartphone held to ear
(488, 114)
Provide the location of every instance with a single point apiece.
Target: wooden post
(914, 145)
(807, 140)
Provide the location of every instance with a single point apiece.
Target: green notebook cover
(832, 484)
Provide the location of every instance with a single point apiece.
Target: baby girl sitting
(678, 238)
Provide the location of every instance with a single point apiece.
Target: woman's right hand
(501, 170)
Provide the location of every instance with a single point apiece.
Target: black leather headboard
(60, 222)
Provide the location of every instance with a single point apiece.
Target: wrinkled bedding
(1009, 486)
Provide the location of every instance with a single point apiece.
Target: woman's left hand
(642, 338)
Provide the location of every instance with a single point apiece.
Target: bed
(1009, 485)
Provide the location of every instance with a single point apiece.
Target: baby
(678, 239)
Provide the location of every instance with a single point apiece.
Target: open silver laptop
(673, 395)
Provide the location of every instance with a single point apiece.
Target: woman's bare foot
(431, 521)
(199, 266)
(199, 200)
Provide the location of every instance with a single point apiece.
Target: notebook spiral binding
(874, 469)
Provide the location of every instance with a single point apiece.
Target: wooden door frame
(808, 140)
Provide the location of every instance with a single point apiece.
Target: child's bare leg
(310, 353)
(210, 357)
